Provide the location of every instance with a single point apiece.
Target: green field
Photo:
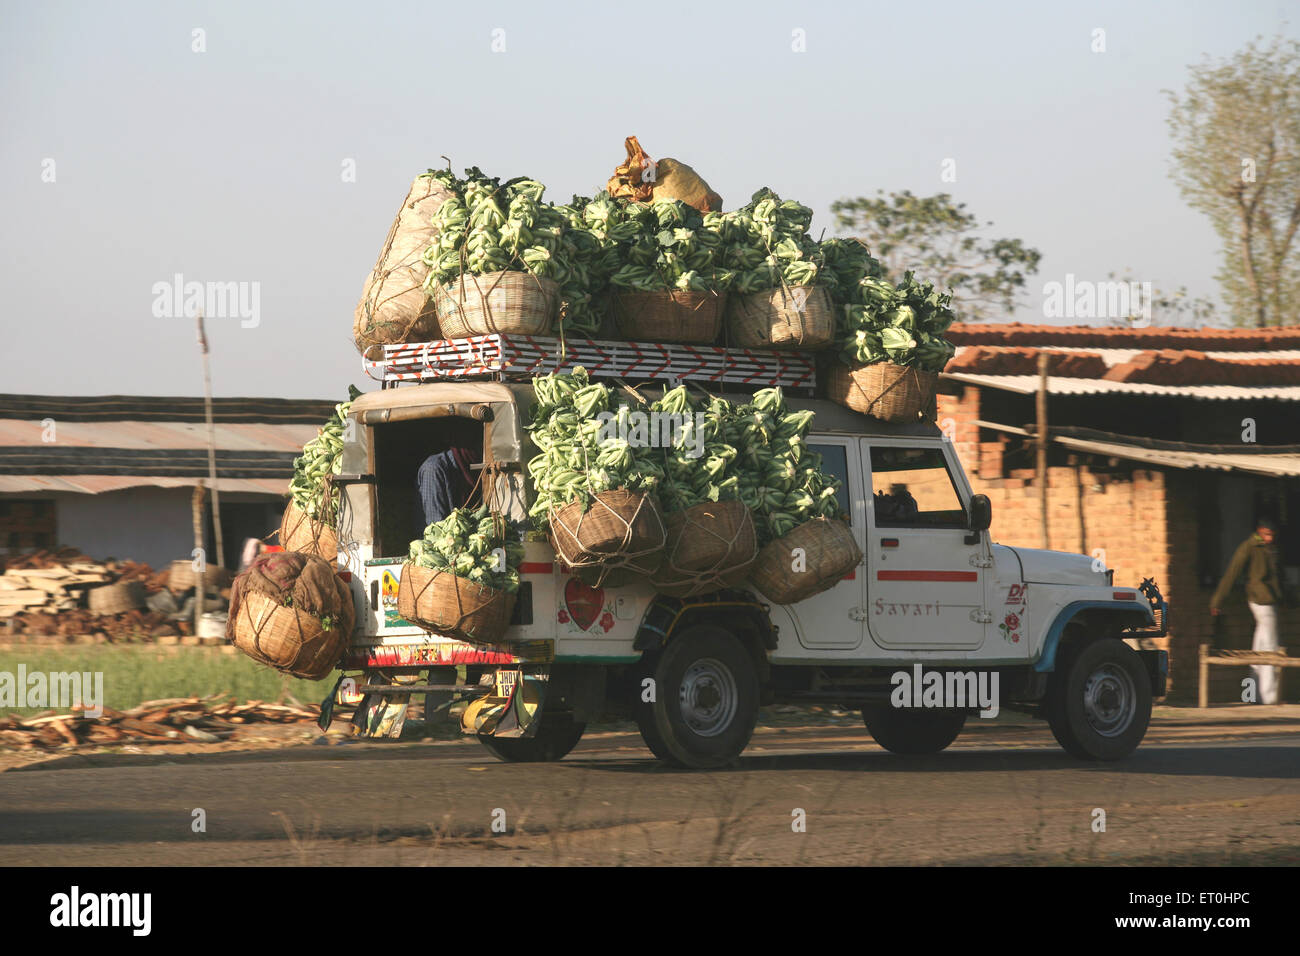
(135, 673)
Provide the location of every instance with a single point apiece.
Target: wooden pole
(196, 507)
(1041, 431)
(212, 448)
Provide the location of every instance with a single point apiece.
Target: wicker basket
(687, 317)
(829, 553)
(516, 302)
(798, 318)
(288, 639)
(620, 535)
(439, 601)
(892, 393)
(116, 598)
(181, 576)
(710, 546)
(299, 532)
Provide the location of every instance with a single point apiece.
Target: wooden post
(197, 513)
(1203, 678)
(1041, 432)
(212, 449)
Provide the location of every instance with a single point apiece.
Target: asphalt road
(997, 796)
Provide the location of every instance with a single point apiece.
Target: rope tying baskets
(439, 601)
(802, 317)
(828, 554)
(892, 393)
(301, 532)
(668, 316)
(622, 531)
(497, 302)
(291, 612)
(710, 546)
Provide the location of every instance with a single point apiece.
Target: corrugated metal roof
(1028, 385)
(163, 435)
(98, 484)
(1114, 357)
(1275, 465)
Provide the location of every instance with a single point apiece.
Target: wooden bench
(1222, 658)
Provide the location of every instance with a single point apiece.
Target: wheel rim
(708, 698)
(1109, 700)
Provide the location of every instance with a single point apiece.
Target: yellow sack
(643, 179)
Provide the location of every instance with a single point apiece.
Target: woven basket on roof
(710, 546)
(181, 576)
(892, 393)
(686, 317)
(300, 532)
(829, 553)
(439, 601)
(519, 303)
(116, 598)
(288, 639)
(802, 317)
(620, 535)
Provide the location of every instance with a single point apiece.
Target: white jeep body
(940, 594)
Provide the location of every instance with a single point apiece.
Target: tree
(1236, 157)
(1177, 308)
(938, 240)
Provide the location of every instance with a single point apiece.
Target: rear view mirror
(981, 513)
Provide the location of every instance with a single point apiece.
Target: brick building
(1165, 446)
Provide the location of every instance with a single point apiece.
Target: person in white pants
(1256, 559)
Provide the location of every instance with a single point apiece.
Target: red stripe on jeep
(536, 567)
(927, 576)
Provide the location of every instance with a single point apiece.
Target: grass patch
(135, 673)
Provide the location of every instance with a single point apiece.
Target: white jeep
(934, 615)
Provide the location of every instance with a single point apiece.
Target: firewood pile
(48, 594)
(171, 721)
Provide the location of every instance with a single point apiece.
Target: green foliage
(938, 237)
(903, 324)
(1236, 158)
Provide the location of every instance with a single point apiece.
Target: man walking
(1255, 556)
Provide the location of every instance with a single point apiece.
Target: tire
(1099, 701)
(643, 712)
(556, 736)
(706, 700)
(912, 732)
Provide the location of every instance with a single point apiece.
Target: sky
(270, 145)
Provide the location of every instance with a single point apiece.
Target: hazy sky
(227, 165)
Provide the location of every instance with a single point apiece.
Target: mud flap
(383, 714)
(511, 712)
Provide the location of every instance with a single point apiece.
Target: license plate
(506, 682)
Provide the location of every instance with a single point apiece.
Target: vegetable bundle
(576, 462)
(320, 457)
(466, 544)
(903, 324)
(700, 451)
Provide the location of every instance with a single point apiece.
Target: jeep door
(925, 579)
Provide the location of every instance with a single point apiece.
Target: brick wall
(1144, 520)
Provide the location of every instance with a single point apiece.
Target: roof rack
(500, 357)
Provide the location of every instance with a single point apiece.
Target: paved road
(1004, 795)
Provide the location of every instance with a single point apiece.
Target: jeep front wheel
(912, 731)
(1099, 701)
(705, 700)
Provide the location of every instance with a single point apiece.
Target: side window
(913, 489)
(835, 461)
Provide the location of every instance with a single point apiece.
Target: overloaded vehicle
(636, 455)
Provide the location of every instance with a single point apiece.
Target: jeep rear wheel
(556, 736)
(912, 731)
(706, 700)
(1099, 701)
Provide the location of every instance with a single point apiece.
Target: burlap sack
(669, 179)
(393, 306)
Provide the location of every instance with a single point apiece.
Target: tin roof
(1057, 385)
